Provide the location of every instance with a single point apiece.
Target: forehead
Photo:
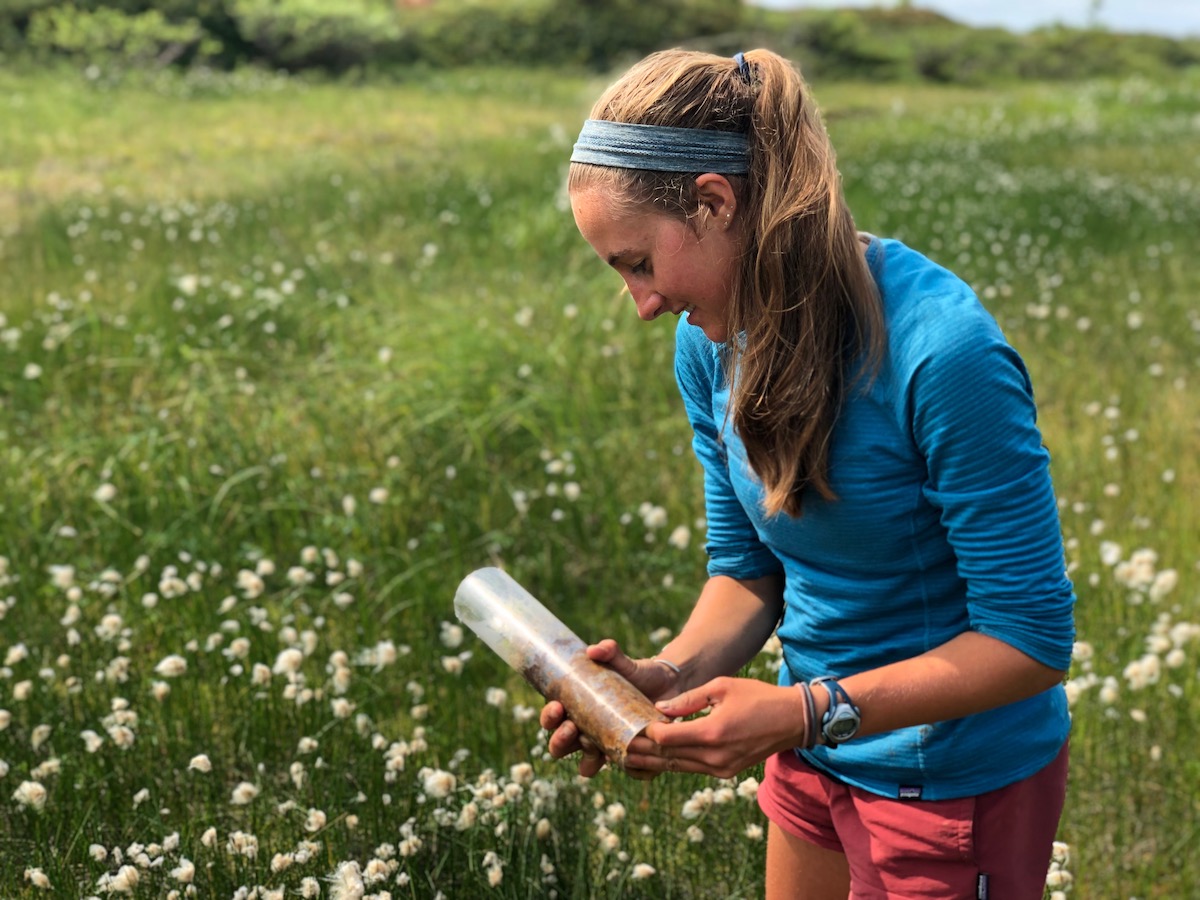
(610, 225)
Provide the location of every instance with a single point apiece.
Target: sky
(1177, 18)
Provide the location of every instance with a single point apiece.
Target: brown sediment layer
(602, 704)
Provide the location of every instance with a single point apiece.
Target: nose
(650, 304)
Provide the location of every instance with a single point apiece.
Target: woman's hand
(652, 678)
(748, 721)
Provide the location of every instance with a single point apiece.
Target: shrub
(967, 56)
(839, 45)
(108, 34)
(329, 34)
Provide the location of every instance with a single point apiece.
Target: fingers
(693, 701)
(641, 774)
(591, 761)
(552, 715)
(565, 740)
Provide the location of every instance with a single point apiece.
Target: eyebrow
(613, 257)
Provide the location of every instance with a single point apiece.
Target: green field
(281, 361)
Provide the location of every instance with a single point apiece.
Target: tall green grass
(282, 361)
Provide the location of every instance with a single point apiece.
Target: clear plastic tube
(535, 642)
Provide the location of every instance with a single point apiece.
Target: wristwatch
(841, 720)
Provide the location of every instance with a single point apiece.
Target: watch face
(843, 726)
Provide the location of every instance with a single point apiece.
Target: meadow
(282, 360)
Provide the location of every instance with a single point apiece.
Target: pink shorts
(995, 845)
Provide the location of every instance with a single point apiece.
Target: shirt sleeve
(733, 544)
(974, 419)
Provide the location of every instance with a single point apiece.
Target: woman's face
(668, 265)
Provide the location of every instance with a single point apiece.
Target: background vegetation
(283, 358)
(892, 43)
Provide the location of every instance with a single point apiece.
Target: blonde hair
(805, 312)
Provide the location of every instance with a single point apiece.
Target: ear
(718, 199)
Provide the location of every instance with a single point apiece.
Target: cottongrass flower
(451, 635)
(748, 788)
(38, 879)
(123, 881)
(494, 867)
(659, 636)
(698, 804)
(200, 763)
(521, 773)
(288, 661)
(172, 666)
(105, 493)
(642, 871)
(346, 883)
(31, 794)
(437, 783)
(1110, 691)
(243, 794)
(680, 537)
(39, 736)
(16, 653)
(754, 831)
(185, 872)
(242, 844)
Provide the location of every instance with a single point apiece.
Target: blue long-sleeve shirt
(945, 522)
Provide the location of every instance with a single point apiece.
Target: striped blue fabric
(658, 148)
(946, 521)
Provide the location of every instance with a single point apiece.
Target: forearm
(969, 674)
(729, 624)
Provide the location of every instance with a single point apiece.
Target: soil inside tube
(601, 703)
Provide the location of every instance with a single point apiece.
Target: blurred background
(938, 40)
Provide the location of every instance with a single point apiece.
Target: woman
(876, 492)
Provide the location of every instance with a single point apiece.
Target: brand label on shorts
(981, 887)
(910, 792)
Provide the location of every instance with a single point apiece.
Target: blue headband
(658, 148)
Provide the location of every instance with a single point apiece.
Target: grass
(281, 361)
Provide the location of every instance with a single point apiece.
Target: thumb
(609, 653)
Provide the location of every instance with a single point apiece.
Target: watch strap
(841, 708)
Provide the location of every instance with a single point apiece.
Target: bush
(968, 57)
(106, 34)
(329, 34)
(840, 45)
(565, 32)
